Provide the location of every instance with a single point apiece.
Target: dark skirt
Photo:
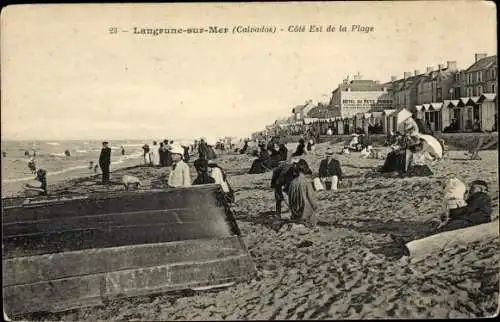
(258, 166)
(419, 171)
(394, 162)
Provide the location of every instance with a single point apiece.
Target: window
(479, 90)
(439, 94)
(493, 88)
(479, 76)
(469, 78)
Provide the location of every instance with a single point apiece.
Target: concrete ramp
(65, 253)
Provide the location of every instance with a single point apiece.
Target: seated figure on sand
(283, 151)
(463, 210)
(302, 197)
(330, 171)
(310, 144)
(180, 175)
(353, 142)
(41, 188)
(201, 166)
(218, 174)
(262, 163)
(412, 141)
(300, 149)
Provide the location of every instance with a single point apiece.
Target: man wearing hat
(180, 175)
(105, 161)
(330, 171)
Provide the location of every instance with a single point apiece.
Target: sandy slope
(340, 269)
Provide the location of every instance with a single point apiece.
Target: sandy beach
(340, 269)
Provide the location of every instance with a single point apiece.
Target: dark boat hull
(64, 254)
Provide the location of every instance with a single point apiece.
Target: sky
(64, 76)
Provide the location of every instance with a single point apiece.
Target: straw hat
(176, 149)
(329, 151)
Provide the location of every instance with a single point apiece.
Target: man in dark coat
(330, 171)
(282, 176)
(105, 161)
(203, 150)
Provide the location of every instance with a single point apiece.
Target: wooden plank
(182, 215)
(63, 294)
(24, 270)
(123, 202)
(183, 275)
(46, 243)
(421, 248)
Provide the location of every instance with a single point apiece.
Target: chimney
(429, 70)
(479, 57)
(394, 78)
(407, 75)
(416, 72)
(451, 65)
(440, 67)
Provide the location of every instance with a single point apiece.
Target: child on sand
(180, 175)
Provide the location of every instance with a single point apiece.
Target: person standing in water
(105, 161)
(123, 150)
(32, 165)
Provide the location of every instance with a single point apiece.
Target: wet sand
(341, 269)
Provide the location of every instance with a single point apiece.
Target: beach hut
(62, 253)
(488, 111)
(389, 120)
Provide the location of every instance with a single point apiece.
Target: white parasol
(403, 115)
(431, 145)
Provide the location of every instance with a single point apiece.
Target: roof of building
(481, 64)
(321, 112)
(420, 78)
(362, 86)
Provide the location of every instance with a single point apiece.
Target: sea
(50, 156)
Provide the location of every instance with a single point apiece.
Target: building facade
(359, 96)
(480, 77)
(300, 111)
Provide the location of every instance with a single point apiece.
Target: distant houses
(446, 98)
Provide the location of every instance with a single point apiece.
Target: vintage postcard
(239, 161)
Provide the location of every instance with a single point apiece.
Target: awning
(450, 103)
(426, 107)
(475, 99)
(418, 107)
(310, 120)
(488, 97)
(367, 115)
(436, 106)
(464, 100)
(388, 112)
(377, 114)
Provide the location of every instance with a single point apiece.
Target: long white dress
(155, 155)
